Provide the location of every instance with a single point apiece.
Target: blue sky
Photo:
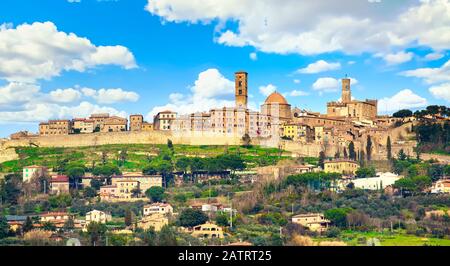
(140, 56)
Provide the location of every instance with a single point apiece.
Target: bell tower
(346, 90)
(241, 89)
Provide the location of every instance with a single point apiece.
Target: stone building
(34, 171)
(341, 166)
(99, 119)
(55, 127)
(136, 122)
(358, 110)
(59, 185)
(228, 121)
(298, 132)
(147, 126)
(164, 120)
(114, 124)
(83, 125)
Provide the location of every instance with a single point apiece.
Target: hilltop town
(232, 176)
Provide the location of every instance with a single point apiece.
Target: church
(350, 108)
(239, 120)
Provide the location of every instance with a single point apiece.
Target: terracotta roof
(276, 98)
(60, 179)
(54, 214)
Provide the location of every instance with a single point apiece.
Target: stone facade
(55, 128)
(136, 122)
(164, 120)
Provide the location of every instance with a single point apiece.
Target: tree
(170, 144)
(48, 226)
(389, 148)
(345, 153)
(401, 155)
(155, 194)
(182, 164)
(337, 216)
(167, 237)
(28, 225)
(104, 157)
(222, 219)
(90, 192)
(246, 140)
(75, 174)
(96, 183)
(364, 172)
(351, 151)
(96, 232)
(436, 172)
(69, 224)
(123, 156)
(369, 148)
(322, 158)
(361, 158)
(191, 217)
(149, 237)
(403, 113)
(4, 227)
(128, 217)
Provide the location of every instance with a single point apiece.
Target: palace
(358, 110)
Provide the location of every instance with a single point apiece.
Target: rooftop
(276, 98)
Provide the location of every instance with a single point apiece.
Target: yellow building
(114, 124)
(341, 166)
(313, 221)
(145, 182)
(207, 230)
(298, 132)
(157, 208)
(125, 188)
(55, 128)
(155, 220)
(147, 126)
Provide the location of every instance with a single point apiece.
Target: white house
(380, 181)
(98, 217)
(30, 172)
(161, 208)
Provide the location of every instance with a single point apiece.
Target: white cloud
(329, 84)
(433, 56)
(109, 96)
(326, 84)
(254, 56)
(267, 90)
(441, 91)
(39, 51)
(65, 95)
(396, 58)
(430, 75)
(16, 92)
(22, 102)
(297, 81)
(405, 99)
(297, 93)
(210, 90)
(292, 26)
(319, 66)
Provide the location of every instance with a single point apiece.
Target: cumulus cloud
(210, 90)
(31, 52)
(65, 95)
(441, 91)
(267, 90)
(23, 102)
(297, 93)
(291, 26)
(109, 96)
(396, 58)
(433, 56)
(328, 84)
(430, 75)
(318, 67)
(405, 99)
(254, 56)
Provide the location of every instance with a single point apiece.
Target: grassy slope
(137, 154)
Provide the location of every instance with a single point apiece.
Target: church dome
(276, 98)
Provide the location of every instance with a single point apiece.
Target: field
(386, 238)
(138, 155)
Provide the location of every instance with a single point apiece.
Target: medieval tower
(346, 91)
(241, 88)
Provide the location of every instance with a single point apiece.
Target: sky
(63, 59)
